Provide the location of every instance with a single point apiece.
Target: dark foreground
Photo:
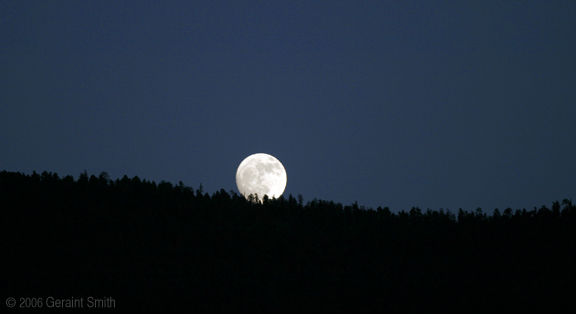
(168, 248)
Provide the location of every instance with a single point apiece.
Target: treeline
(161, 246)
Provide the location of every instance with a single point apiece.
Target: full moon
(261, 174)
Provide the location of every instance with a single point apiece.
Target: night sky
(435, 104)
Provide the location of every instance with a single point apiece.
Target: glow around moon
(261, 174)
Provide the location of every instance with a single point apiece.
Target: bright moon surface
(261, 174)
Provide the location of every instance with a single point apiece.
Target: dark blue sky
(436, 104)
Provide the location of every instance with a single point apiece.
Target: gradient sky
(436, 104)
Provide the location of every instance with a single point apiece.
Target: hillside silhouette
(165, 247)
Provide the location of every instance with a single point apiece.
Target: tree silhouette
(171, 248)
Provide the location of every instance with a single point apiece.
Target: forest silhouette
(165, 247)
